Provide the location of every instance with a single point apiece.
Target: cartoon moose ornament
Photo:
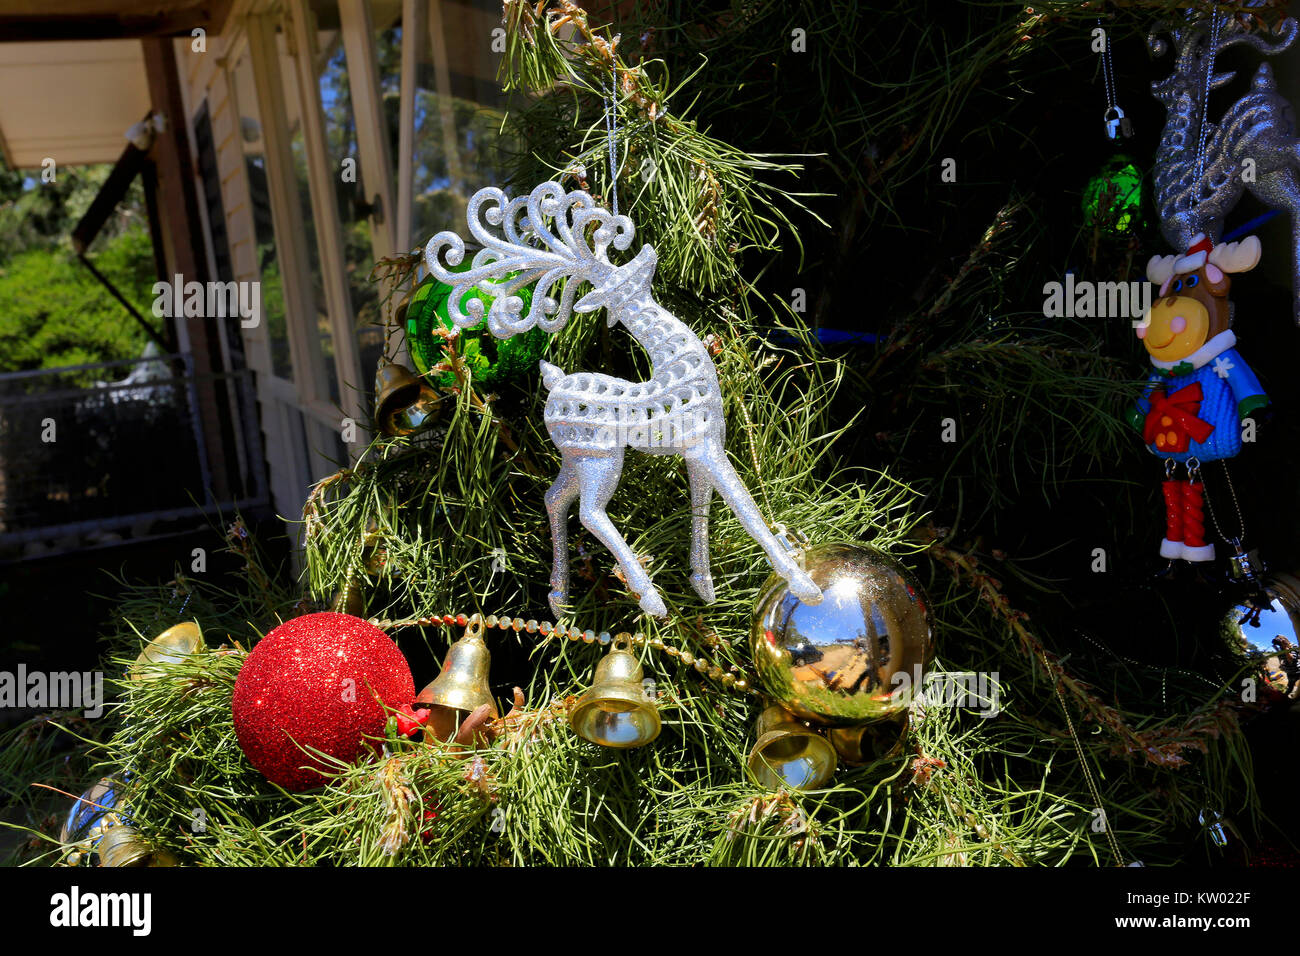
(1200, 388)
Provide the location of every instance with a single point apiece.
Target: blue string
(831, 337)
(1250, 226)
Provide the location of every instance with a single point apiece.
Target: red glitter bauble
(316, 681)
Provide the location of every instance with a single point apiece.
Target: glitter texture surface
(316, 681)
(549, 236)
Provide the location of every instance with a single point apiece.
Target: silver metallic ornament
(1202, 168)
(1265, 629)
(857, 656)
(94, 812)
(561, 241)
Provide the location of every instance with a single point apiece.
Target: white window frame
(310, 385)
(301, 27)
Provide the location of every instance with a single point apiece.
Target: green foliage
(36, 213)
(457, 512)
(54, 313)
(52, 310)
(701, 201)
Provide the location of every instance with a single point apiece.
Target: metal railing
(97, 454)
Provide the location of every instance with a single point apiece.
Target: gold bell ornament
(616, 711)
(403, 403)
(463, 683)
(122, 846)
(789, 754)
(170, 647)
(867, 743)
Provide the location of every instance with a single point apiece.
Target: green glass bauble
(1112, 200)
(492, 362)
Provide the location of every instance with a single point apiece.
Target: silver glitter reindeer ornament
(1202, 168)
(551, 236)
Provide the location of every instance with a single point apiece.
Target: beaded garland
(731, 678)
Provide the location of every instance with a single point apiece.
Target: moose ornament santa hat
(1200, 389)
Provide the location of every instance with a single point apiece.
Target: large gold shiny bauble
(857, 656)
(1265, 629)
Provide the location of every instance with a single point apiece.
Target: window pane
(250, 125)
(320, 316)
(457, 143)
(341, 143)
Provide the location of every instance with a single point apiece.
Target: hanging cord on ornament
(611, 136)
(1245, 565)
(1203, 134)
(1236, 505)
(1117, 124)
(1083, 764)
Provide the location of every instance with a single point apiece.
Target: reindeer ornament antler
(550, 237)
(1202, 167)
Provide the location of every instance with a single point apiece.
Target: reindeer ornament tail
(561, 240)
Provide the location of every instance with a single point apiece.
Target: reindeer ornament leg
(559, 499)
(701, 498)
(597, 480)
(717, 470)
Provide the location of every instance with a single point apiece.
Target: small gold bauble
(122, 846)
(855, 657)
(170, 647)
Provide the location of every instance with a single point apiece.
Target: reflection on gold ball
(859, 655)
(1265, 629)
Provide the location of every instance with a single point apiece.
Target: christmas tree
(857, 210)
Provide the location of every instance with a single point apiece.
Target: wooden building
(299, 141)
